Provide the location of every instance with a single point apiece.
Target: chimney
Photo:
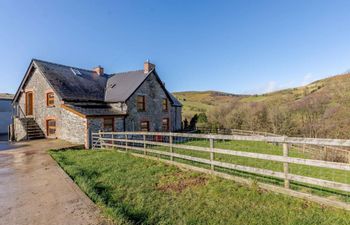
(99, 70)
(148, 66)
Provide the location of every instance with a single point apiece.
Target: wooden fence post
(171, 146)
(99, 138)
(126, 143)
(285, 165)
(211, 140)
(144, 145)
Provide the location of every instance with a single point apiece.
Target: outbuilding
(5, 114)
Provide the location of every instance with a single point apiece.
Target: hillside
(195, 102)
(318, 109)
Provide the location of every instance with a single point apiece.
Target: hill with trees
(320, 109)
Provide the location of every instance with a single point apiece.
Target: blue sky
(233, 46)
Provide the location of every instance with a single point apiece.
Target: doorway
(29, 103)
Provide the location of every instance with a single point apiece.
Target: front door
(29, 103)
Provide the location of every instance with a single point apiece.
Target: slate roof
(122, 85)
(6, 96)
(176, 102)
(84, 86)
(78, 85)
(95, 109)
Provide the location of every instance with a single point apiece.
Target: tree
(193, 122)
(202, 118)
(185, 124)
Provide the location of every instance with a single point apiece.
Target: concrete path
(34, 190)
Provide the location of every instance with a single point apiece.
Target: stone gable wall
(39, 86)
(154, 113)
(69, 127)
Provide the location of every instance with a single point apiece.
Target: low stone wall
(19, 130)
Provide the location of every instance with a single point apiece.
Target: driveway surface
(34, 190)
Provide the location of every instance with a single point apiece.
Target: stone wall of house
(40, 87)
(154, 95)
(95, 124)
(176, 118)
(73, 127)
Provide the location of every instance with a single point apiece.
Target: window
(165, 124)
(141, 106)
(108, 124)
(50, 99)
(75, 71)
(51, 127)
(144, 126)
(165, 104)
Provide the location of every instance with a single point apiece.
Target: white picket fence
(163, 144)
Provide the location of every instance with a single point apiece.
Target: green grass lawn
(133, 190)
(266, 148)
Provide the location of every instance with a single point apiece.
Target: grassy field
(265, 148)
(133, 190)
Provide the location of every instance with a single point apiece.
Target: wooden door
(29, 103)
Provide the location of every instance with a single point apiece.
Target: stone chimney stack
(148, 66)
(99, 70)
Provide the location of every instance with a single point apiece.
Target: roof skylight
(75, 71)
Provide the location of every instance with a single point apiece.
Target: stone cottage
(65, 102)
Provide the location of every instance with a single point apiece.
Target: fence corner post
(211, 140)
(88, 141)
(100, 138)
(171, 146)
(285, 165)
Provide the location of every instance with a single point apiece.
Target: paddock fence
(275, 162)
(321, 152)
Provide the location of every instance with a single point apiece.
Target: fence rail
(164, 144)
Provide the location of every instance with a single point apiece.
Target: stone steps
(33, 129)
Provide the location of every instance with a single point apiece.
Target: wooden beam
(73, 111)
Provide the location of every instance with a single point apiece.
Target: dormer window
(50, 99)
(141, 103)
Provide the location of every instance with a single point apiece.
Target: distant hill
(6, 96)
(195, 102)
(321, 108)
